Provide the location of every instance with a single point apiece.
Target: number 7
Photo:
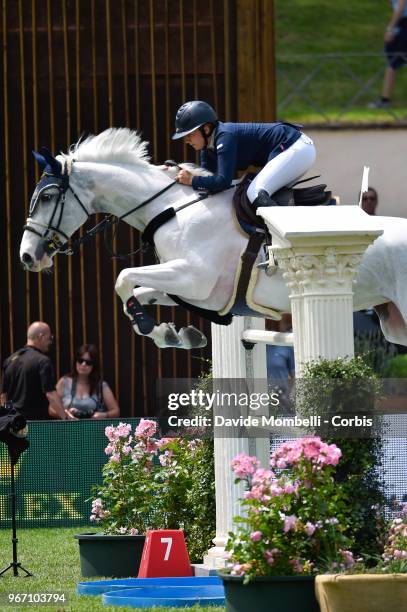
(167, 541)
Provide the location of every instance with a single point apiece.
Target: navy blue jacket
(239, 145)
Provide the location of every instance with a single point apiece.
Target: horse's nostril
(26, 259)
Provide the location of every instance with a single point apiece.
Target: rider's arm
(226, 155)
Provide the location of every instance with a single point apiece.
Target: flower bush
(395, 548)
(293, 515)
(156, 483)
(339, 386)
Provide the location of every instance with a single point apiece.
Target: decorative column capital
(320, 269)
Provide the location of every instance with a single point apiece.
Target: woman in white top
(84, 393)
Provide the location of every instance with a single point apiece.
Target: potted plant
(291, 528)
(148, 483)
(383, 587)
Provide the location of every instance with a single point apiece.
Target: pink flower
(166, 458)
(123, 430)
(109, 449)
(115, 433)
(239, 569)
(146, 428)
(310, 449)
(309, 528)
(262, 477)
(290, 488)
(133, 531)
(152, 446)
(269, 556)
(243, 465)
(347, 557)
(110, 433)
(275, 490)
(296, 563)
(256, 536)
(400, 554)
(290, 523)
(164, 441)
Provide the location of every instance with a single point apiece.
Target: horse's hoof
(169, 336)
(192, 338)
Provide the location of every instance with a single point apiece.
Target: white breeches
(285, 168)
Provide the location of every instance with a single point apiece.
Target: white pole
(230, 360)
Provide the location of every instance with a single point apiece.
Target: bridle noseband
(53, 244)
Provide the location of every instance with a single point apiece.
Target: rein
(110, 221)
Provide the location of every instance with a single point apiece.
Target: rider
(283, 152)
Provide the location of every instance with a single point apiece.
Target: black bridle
(53, 244)
(50, 238)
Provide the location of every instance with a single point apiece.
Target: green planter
(270, 594)
(118, 556)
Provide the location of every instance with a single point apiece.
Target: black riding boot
(263, 199)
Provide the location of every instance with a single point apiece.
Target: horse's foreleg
(151, 297)
(176, 277)
(187, 279)
(188, 337)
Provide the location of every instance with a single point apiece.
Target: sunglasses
(87, 362)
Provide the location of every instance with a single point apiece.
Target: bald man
(29, 379)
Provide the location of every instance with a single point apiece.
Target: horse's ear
(40, 159)
(51, 161)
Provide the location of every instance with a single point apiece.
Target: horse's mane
(114, 145)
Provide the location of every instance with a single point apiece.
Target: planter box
(270, 594)
(118, 556)
(362, 592)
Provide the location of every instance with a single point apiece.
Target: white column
(232, 361)
(321, 297)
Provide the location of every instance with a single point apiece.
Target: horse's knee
(122, 285)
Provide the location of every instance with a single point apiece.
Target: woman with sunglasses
(83, 392)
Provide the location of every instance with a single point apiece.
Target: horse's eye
(45, 197)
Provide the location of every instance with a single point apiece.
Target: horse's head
(56, 211)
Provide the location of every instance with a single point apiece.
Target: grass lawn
(306, 32)
(52, 555)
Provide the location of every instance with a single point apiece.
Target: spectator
(29, 379)
(83, 392)
(395, 46)
(370, 200)
(280, 361)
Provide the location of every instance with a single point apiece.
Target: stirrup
(270, 266)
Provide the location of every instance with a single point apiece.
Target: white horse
(199, 249)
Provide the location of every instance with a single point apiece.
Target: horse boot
(144, 322)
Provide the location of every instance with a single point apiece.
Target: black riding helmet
(191, 116)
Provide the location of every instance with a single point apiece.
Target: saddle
(315, 195)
